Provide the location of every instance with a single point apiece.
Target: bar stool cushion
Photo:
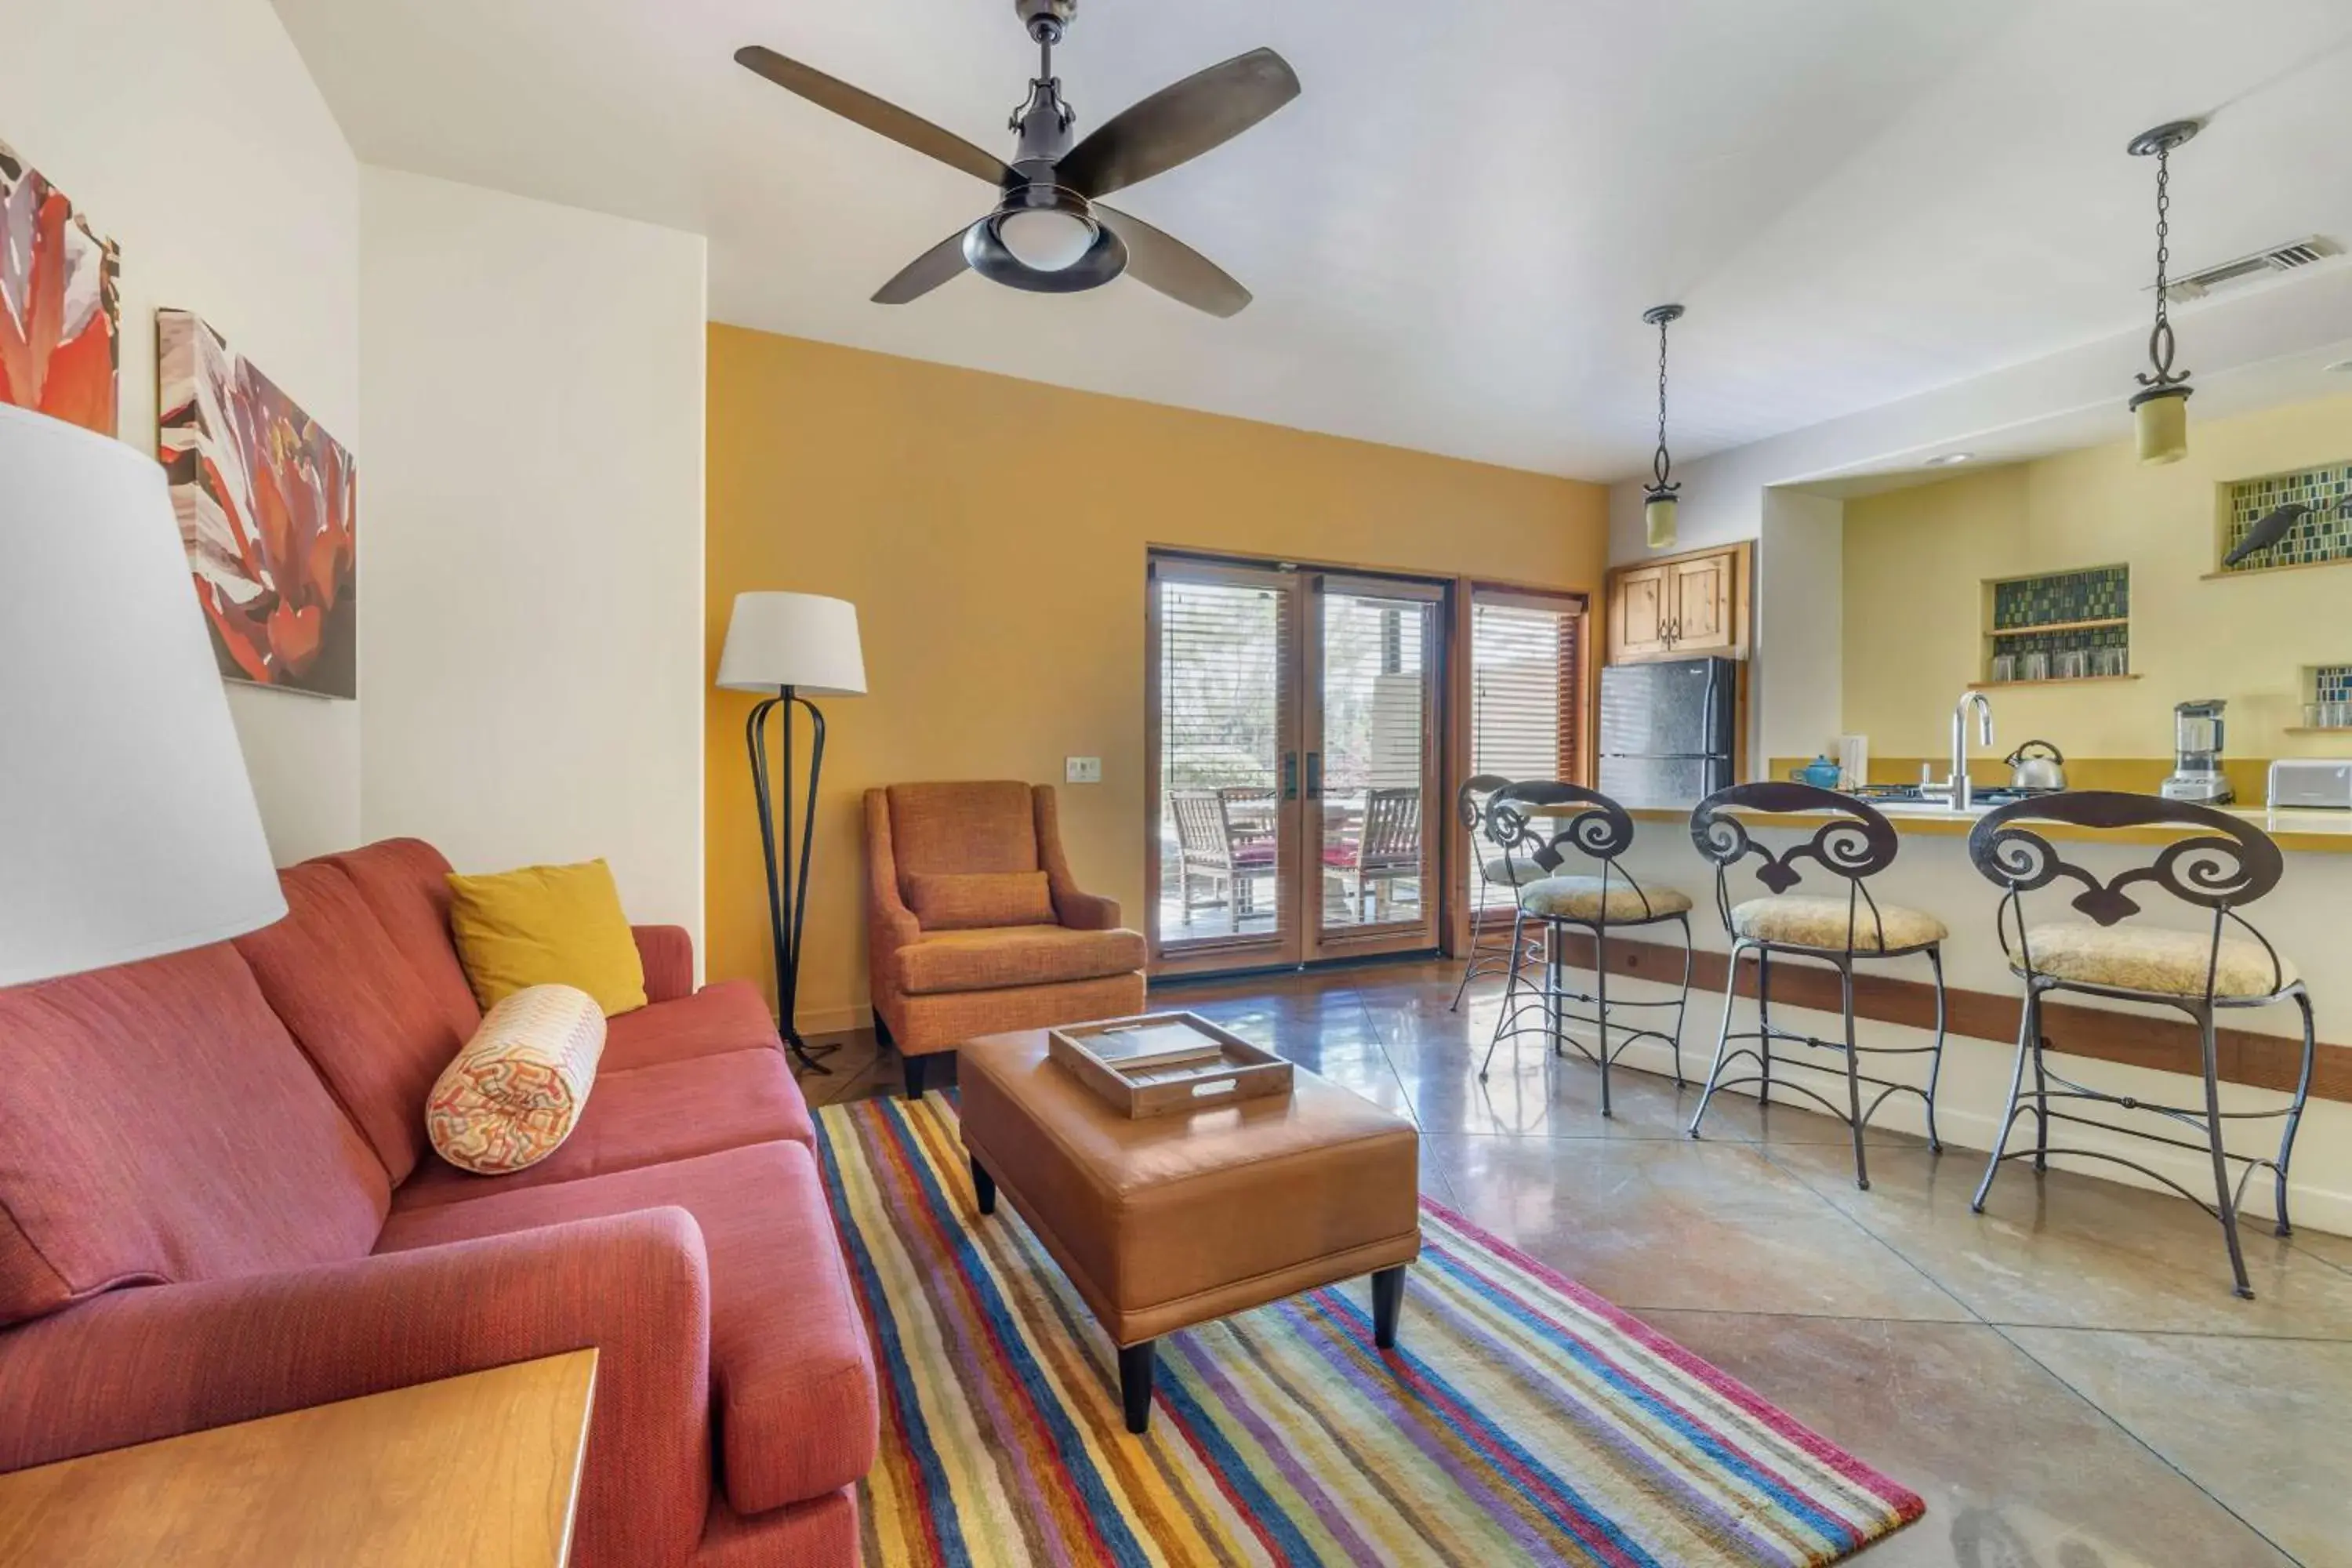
(1504, 870)
(2168, 963)
(1804, 920)
(1580, 899)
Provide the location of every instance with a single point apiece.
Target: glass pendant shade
(1658, 516)
(2162, 419)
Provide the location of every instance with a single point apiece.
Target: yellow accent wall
(1915, 561)
(993, 535)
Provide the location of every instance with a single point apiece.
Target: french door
(1295, 763)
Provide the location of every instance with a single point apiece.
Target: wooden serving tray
(1226, 1068)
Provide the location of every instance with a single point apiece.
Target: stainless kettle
(2036, 765)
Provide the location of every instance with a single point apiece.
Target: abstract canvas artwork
(267, 507)
(60, 303)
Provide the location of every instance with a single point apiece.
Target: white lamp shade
(127, 821)
(804, 641)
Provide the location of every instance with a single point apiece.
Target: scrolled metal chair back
(1470, 800)
(2228, 865)
(1594, 824)
(1856, 844)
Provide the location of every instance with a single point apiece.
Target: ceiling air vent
(2261, 263)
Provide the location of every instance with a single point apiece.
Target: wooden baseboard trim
(2164, 1044)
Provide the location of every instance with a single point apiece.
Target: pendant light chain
(2161, 341)
(1661, 464)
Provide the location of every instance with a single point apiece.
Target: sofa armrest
(1076, 909)
(667, 953)
(141, 1363)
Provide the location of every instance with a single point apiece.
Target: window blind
(1525, 679)
(1221, 653)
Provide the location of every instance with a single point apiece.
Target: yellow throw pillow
(514, 1094)
(546, 925)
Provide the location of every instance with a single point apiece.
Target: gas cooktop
(1900, 794)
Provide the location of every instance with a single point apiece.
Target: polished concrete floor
(2066, 1379)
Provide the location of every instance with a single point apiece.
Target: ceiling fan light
(1658, 519)
(1047, 239)
(2162, 420)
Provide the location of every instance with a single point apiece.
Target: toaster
(2306, 783)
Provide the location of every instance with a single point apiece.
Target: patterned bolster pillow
(513, 1095)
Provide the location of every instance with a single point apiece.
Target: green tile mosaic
(2020, 652)
(2325, 535)
(2097, 593)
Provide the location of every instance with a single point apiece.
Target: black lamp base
(787, 883)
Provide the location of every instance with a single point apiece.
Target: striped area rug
(1522, 1419)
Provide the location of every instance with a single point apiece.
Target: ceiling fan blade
(1173, 266)
(935, 266)
(873, 113)
(1176, 123)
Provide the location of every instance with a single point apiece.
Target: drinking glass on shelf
(2339, 716)
(2072, 664)
(2108, 660)
(2004, 667)
(2035, 666)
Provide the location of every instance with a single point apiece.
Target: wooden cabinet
(1685, 606)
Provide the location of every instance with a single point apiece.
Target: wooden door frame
(1430, 935)
(1460, 751)
(1284, 947)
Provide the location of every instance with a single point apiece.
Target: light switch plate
(1082, 770)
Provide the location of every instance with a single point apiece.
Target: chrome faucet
(1956, 788)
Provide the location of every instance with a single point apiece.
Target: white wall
(193, 136)
(1800, 655)
(534, 382)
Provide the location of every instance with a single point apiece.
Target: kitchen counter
(2320, 832)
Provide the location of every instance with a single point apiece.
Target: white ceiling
(1452, 234)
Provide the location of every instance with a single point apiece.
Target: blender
(2197, 754)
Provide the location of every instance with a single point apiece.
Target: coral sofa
(936, 986)
(216, 1201)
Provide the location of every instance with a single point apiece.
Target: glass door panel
(1374, 766)
(1224, 775)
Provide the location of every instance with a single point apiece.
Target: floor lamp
(128, 828)
(789, 648)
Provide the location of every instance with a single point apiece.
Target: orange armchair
(976, 926)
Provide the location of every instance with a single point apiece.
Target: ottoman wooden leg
(1134, 1384)
(1388, 1305)
(983, 1187)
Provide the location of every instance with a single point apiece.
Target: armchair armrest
(152, 1361)
(1076, 909)
(668, 955)
(891, 924)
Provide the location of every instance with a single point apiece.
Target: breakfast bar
(2147, 1053)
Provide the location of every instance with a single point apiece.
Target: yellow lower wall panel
(1915, 561)
(993, 533)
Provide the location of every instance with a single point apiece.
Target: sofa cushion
(970, 900)
(672, 1111)
(356, 1006)
(520, 1086)
(1012, 956)
(792, 1374)
(730, 1016)
(546, 925)
(961, 828)
(158, 1124)
(406, 882)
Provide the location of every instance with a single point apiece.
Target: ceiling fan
(1050, 232)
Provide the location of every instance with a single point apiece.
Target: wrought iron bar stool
(1599, 828)
(2225, 865)
(1491, 953)
(1858, 845)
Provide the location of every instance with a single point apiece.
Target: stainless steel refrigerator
(1667, 729)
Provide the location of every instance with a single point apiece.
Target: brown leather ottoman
(1174, 1220)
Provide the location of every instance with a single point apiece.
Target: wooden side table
(477, 1471)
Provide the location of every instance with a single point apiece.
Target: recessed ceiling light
(1950, 460)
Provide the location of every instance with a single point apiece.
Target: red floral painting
(268, 508)
(60, 303)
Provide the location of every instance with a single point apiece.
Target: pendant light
(1658, 511)
(2161, 409)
